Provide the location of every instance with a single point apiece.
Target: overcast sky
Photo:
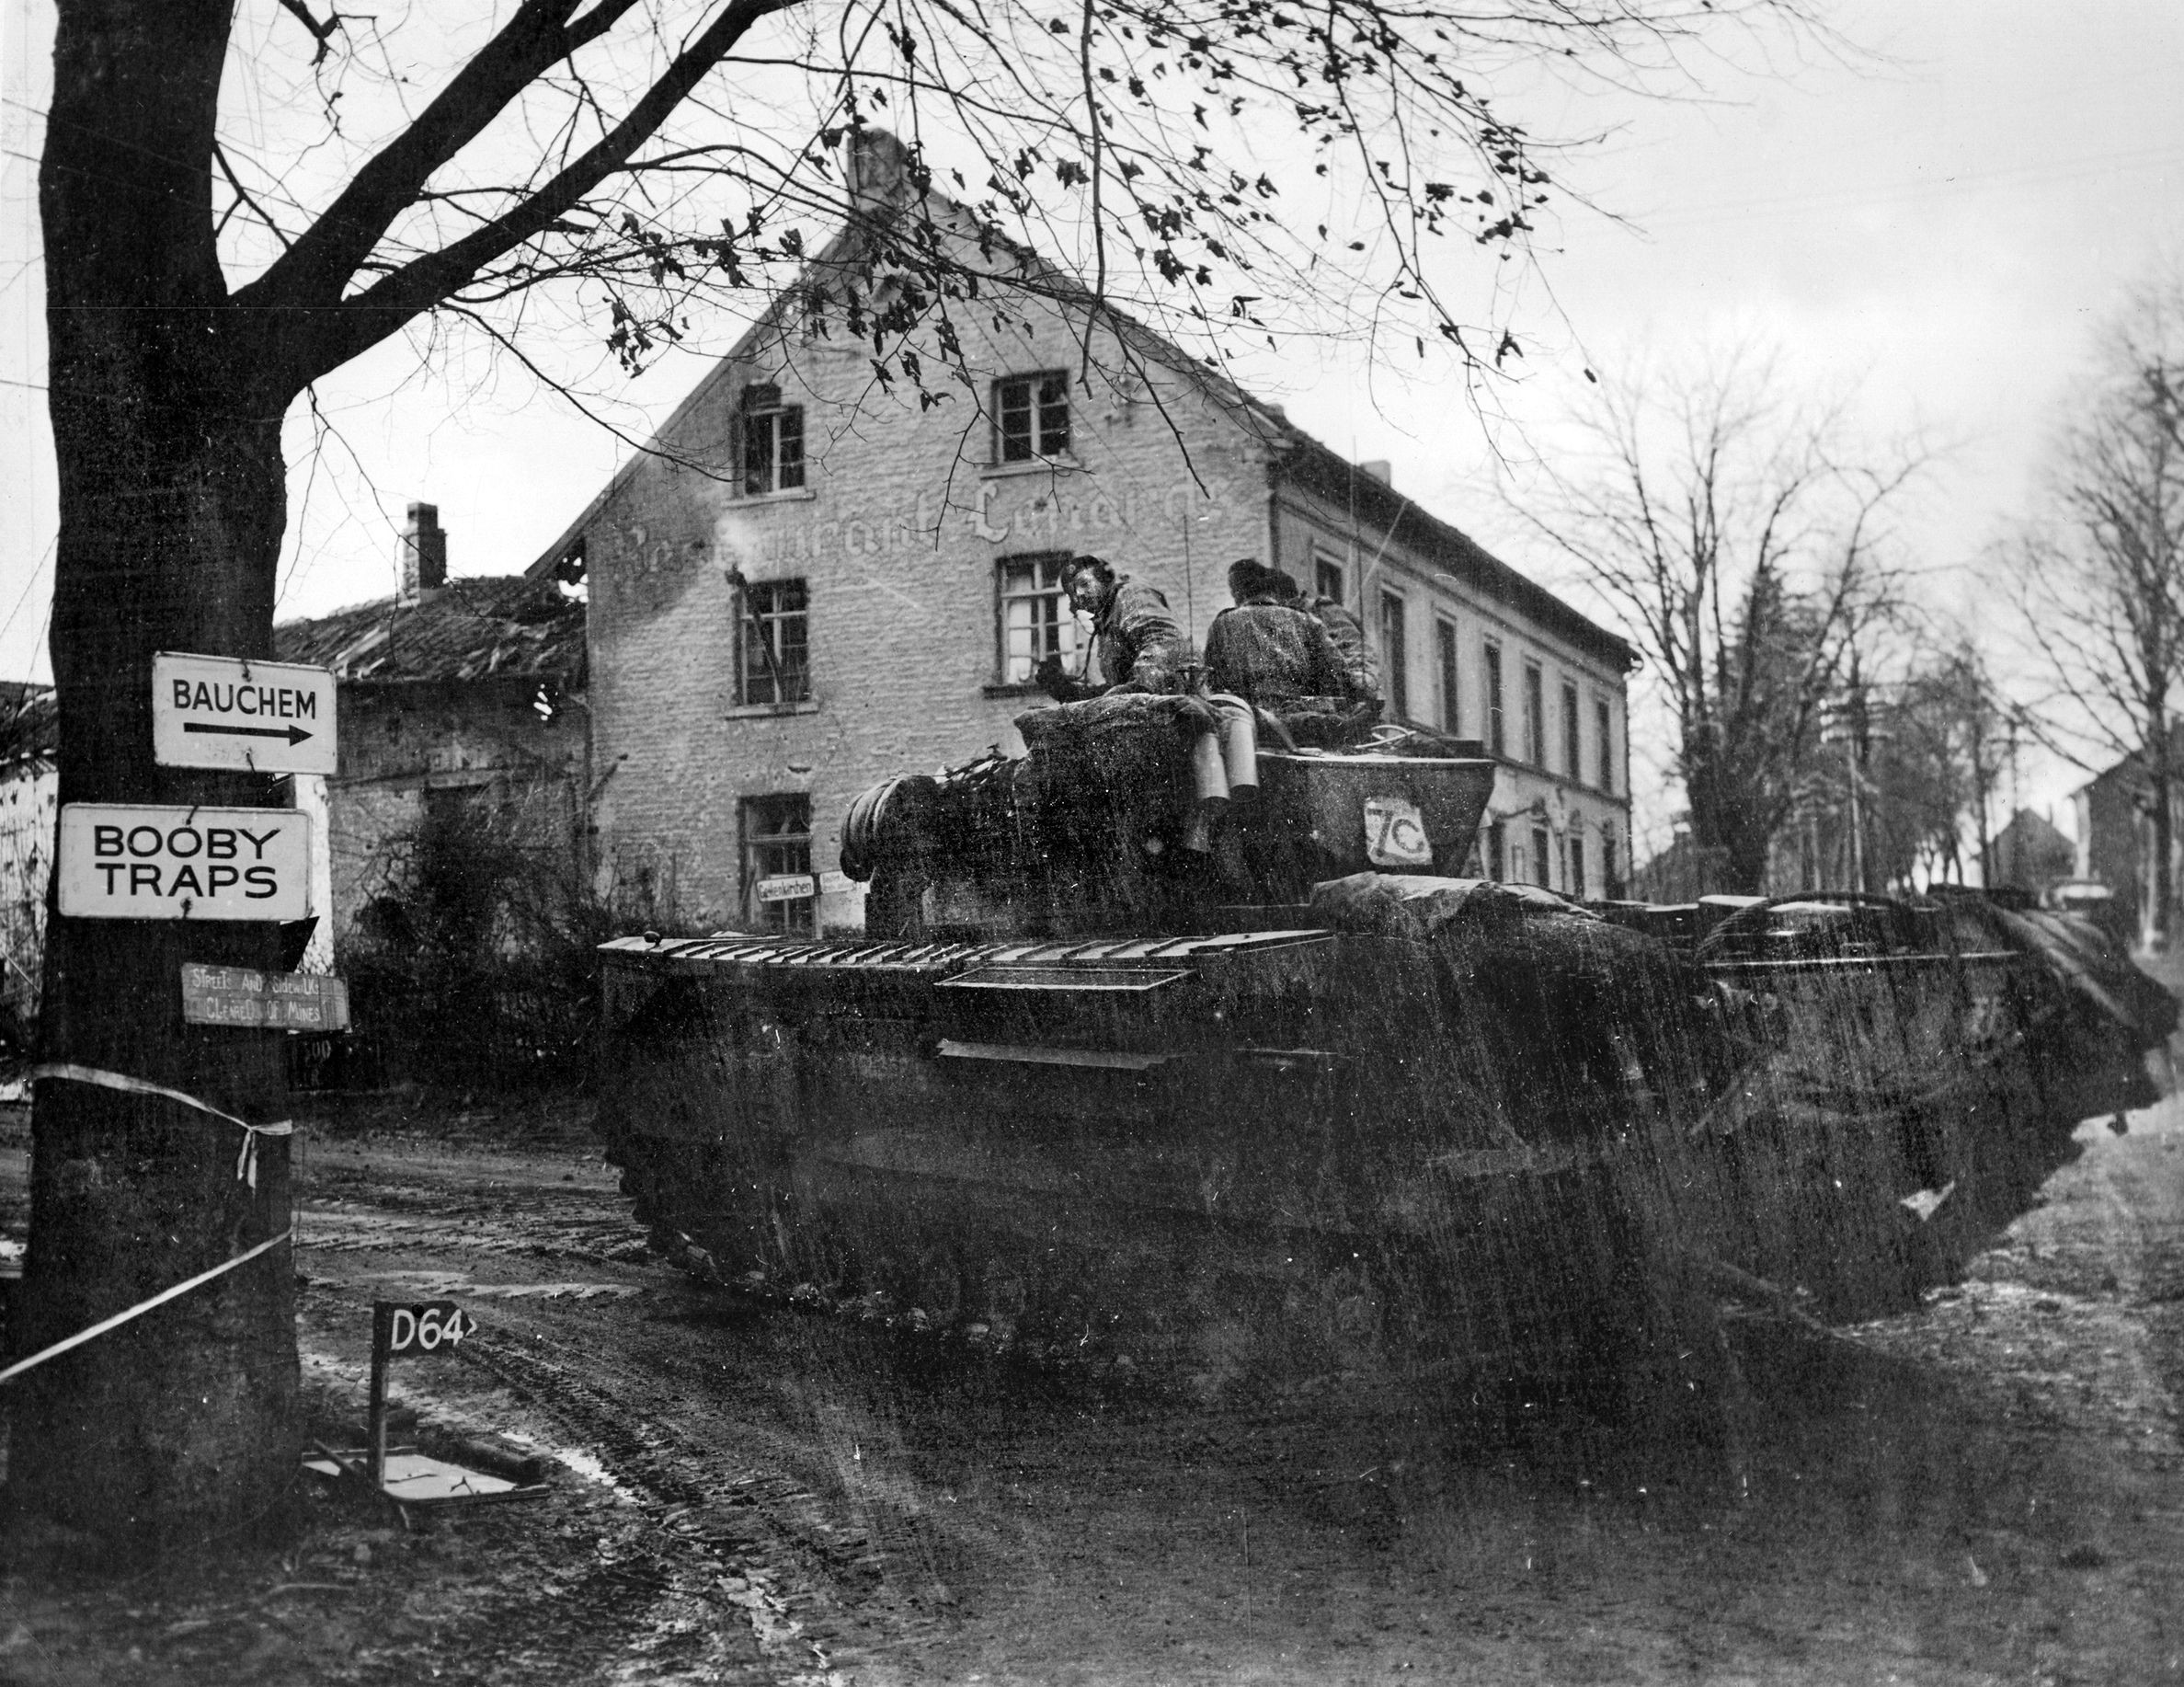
(1941, 231)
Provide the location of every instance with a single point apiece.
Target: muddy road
(1988, 1490)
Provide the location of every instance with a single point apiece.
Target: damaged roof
(467, 629)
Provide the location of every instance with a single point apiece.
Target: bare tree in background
(2100, 576)
(1936, 771)
(238, 200)
(1747, 547)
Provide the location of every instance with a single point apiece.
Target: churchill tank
(1185, 1045)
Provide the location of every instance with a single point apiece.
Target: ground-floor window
(1542, 858)
(777, 847)
(1036, 622)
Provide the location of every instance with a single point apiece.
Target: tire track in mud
(719, 1570)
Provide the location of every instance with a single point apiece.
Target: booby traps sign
(125, 861)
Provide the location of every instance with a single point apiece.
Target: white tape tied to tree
(140, 1308)
(246, 1162)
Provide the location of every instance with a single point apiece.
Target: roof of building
(2131, 770)
(1312, 465)
(2035, 829)
(468, 629)
(1303, 460)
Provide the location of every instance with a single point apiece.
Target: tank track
(1327, 1328)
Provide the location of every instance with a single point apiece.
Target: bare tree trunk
(178, 1427)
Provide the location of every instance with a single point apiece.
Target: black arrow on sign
(295, 735)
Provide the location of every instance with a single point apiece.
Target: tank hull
(1204, 1158)
(1130, 1073)
(1293, 1151)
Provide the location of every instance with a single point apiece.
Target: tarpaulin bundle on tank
(2084, 958)
(2090, 1029)
(1052, 828)
(1119, 738)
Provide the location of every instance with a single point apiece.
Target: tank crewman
(1266, 649)
(1140, 645)
(1348, 633)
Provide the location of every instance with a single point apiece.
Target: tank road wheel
(927, 1283)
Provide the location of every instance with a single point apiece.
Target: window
(468, 806)
(1577, 863)
(1497, 850)
(1611, 886)
(1497, 736)
(1444, 660)
(774, 657)
(1601, 724)
(1327, 578)
(1542, 860)
(1392, 653)
(777, 844)
(1036, 622)
(1534, 707)
(1031, 418)
(1572, 758)
(773, 442)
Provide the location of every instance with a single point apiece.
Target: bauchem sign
(124, 862)
(223, 711)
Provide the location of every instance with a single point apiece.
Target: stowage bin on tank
(1250, 1081)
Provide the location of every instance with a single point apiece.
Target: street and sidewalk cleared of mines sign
(223, 711)
(120, 861)
(276, 1001)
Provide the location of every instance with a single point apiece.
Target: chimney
(1380, 469)
(424, 554)
(877, 169)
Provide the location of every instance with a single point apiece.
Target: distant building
(809, 586)
(464, 693)
(2029, 855)
(1682, 872)
(2114, 812)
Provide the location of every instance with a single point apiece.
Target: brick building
(811, 584)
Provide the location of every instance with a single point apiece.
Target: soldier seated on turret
(1267, 650)
(1347, 634)
(1140, 645)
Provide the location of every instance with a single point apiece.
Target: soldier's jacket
(1348, 634)
(1271, 654)
(1140, 645)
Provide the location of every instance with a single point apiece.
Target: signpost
(275, 1001)
(127, 861)
(407, 1332)
(252, 716)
